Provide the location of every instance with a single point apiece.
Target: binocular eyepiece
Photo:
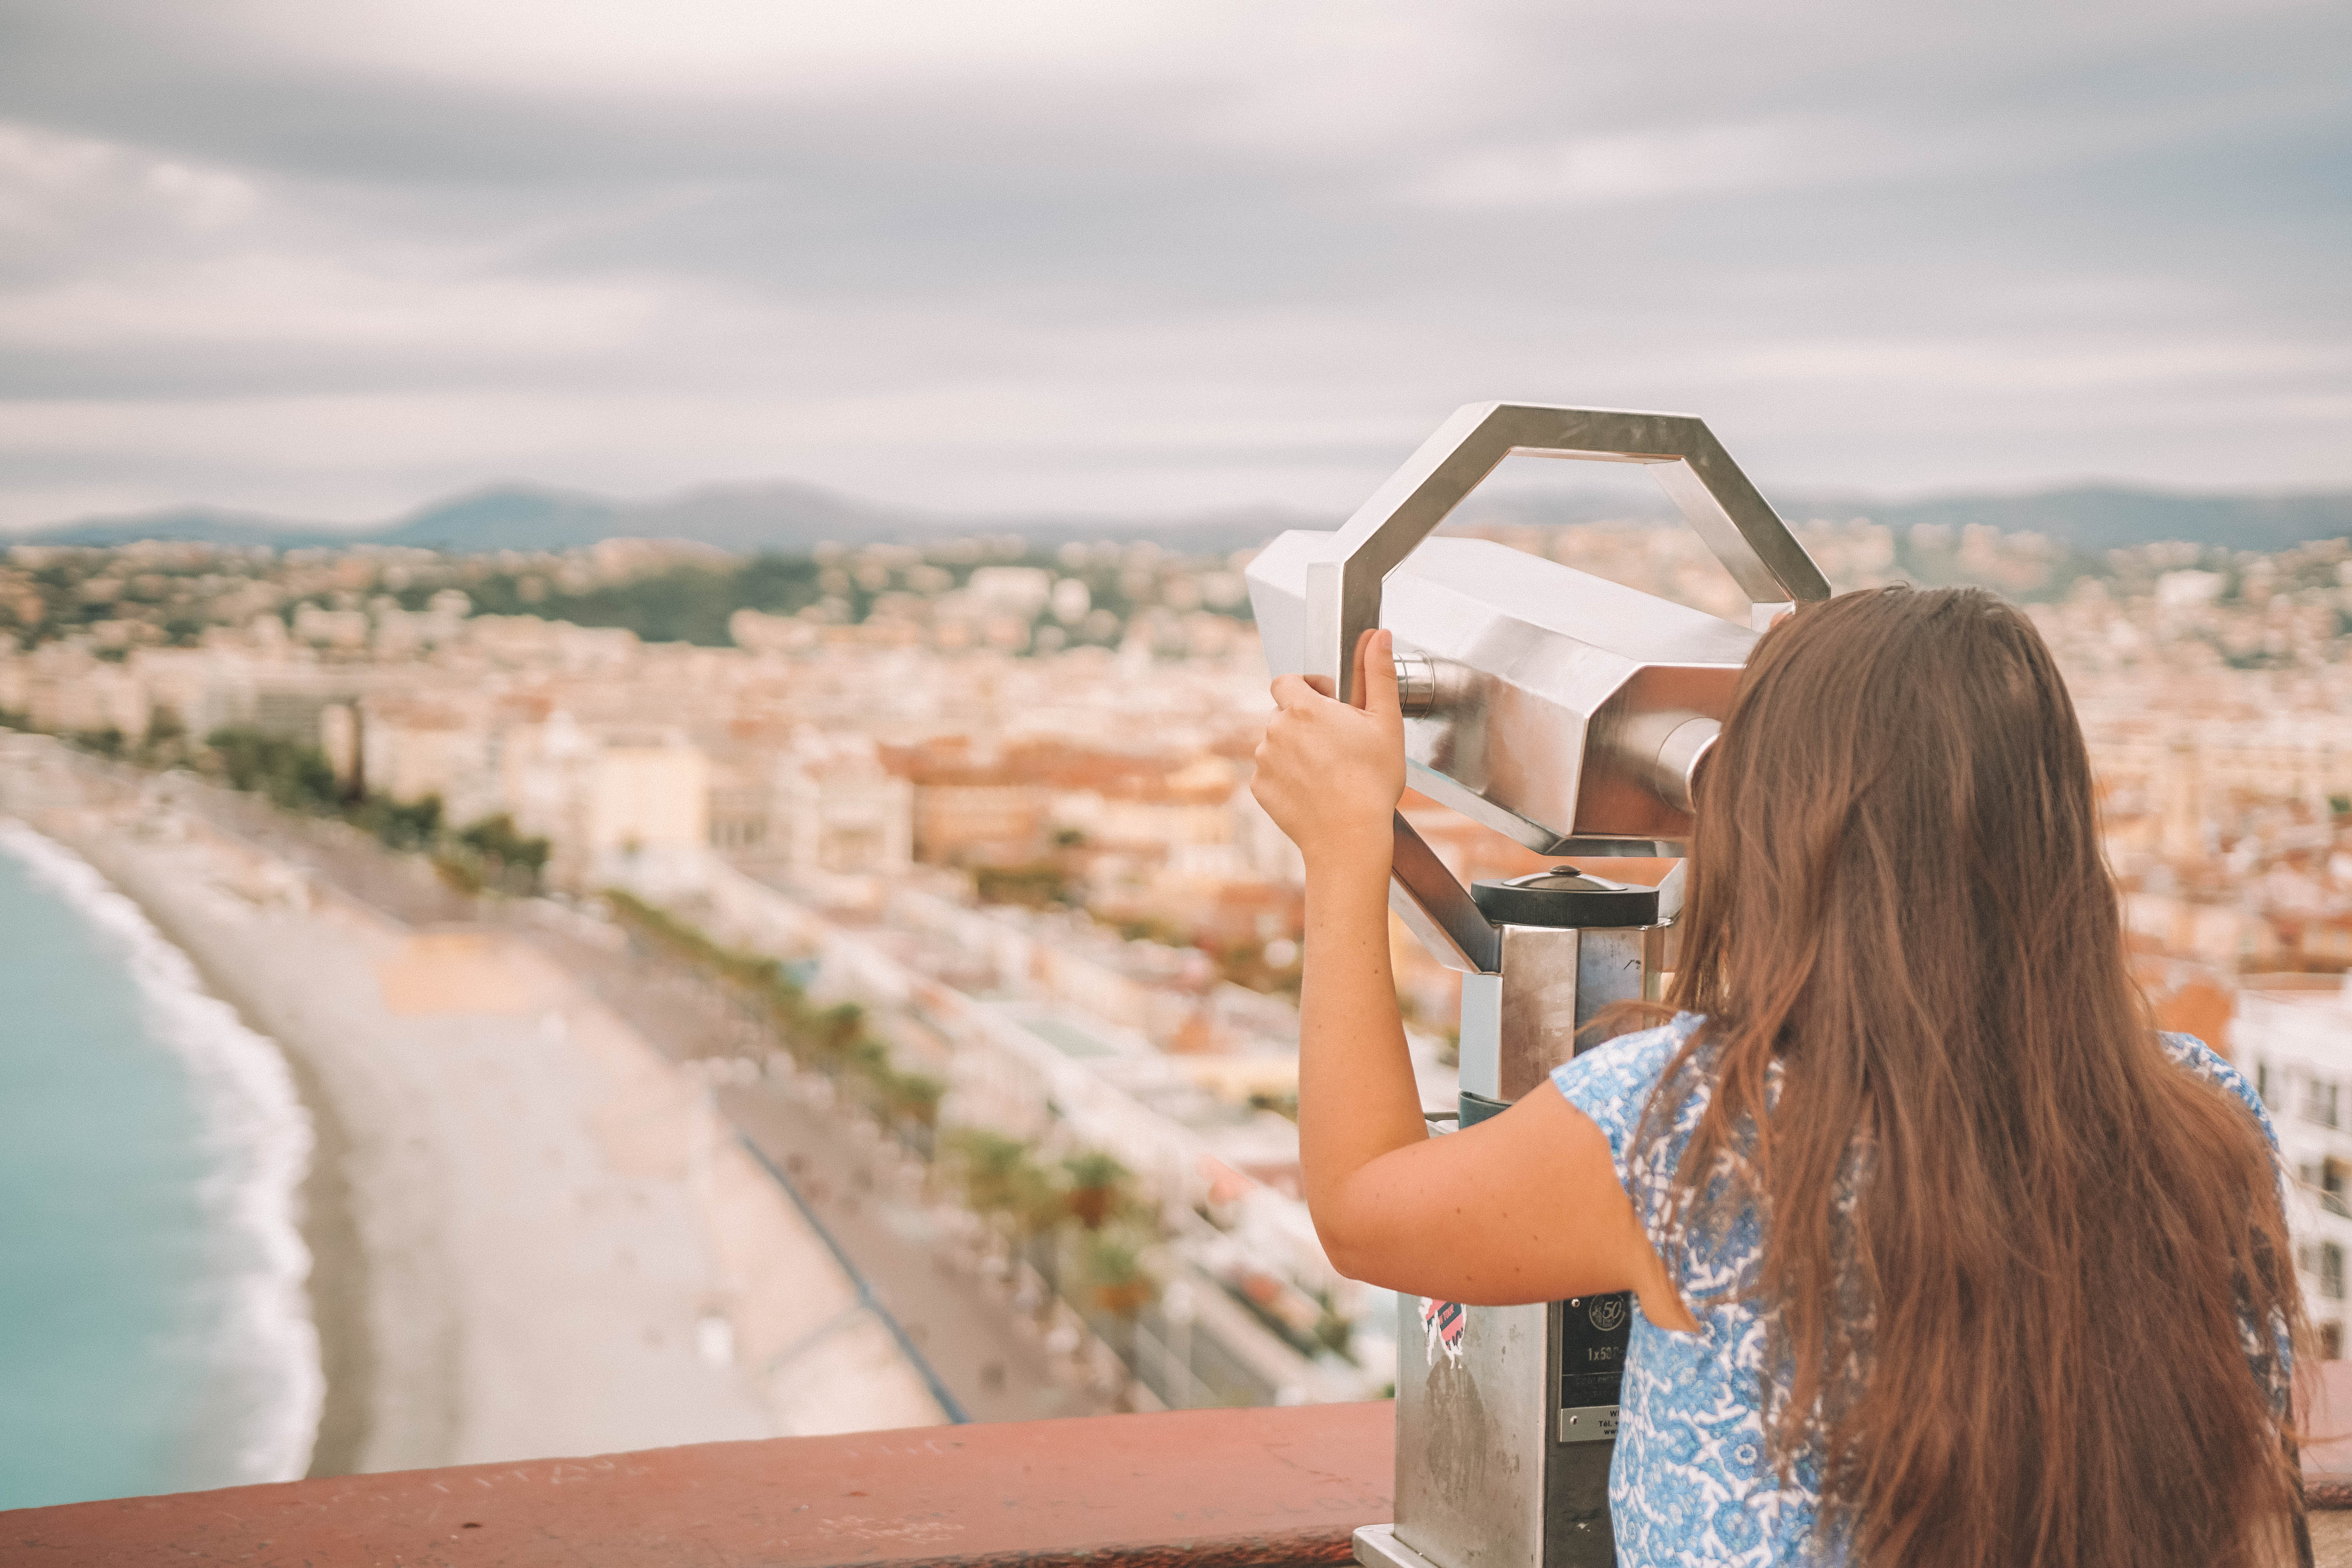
(1661, 749)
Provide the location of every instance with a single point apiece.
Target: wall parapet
(1268, 1488)
(1194, 1489)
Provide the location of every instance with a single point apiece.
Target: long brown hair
(2024, 1342)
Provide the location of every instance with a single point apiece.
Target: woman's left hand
(1329, 772)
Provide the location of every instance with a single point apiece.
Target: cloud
(594, 48)
(1702, 159)
(65, 201)
(1149, 257)
(267, 300)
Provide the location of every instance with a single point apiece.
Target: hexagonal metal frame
(1343, 588)
(1727, 511)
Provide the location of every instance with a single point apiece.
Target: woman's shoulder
(1640, 1058)
(2193, 1054)
(1612, 1082)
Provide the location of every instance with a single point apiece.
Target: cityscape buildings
(998, 799)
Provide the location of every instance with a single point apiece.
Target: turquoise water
(154, 1335)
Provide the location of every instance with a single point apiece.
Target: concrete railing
(2328, 1453)
(1192, 1488)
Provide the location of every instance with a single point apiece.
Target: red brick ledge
(2328, 1437)
(1196, 1489)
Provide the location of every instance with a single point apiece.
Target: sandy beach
(530, 1234)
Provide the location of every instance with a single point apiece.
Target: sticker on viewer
(1442, 1321)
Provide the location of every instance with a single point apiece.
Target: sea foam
(256, 1143)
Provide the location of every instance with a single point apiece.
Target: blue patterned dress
(1691, 1483)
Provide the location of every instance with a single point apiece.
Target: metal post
(1504, 1435)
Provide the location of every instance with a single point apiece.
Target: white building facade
(2294, 1043)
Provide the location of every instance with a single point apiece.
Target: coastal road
(981, 1346)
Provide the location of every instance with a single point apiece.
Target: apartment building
(2293, 1037)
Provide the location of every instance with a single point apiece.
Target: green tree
(400, 825)
(996, 1175)
(291, 775)
(1038, 885)
(1098, 1186)
(1113, 1261)
(502, 857)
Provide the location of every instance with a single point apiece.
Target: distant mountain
(503, 516)
(785, 517)
(795, 517)
(748, 519)
(2088, 518)
(2093, 518)
(208, 524)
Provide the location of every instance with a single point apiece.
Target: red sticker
(1442, 1321)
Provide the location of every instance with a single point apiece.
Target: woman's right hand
(1331, 773)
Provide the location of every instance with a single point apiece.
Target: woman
(2016, 1266)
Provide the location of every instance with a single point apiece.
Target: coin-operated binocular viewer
(1572, 714)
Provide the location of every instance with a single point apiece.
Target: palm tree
(1114, 1266)
(1097, 1186)
(1113, 1261)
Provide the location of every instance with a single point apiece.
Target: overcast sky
(1125, 256)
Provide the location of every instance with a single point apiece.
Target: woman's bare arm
(1524, 1208)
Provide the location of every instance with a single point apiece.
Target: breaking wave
(259, 1344)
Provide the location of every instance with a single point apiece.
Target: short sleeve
(2271, 1355)
(2215, 1068)
(1612, 1083)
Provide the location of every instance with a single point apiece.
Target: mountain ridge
(790, 516)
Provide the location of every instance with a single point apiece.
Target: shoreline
(255, 1136)
(336, 1284)
(527, 1237)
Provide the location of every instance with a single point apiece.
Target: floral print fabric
(1690, 1483)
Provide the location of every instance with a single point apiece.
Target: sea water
(154, 1330)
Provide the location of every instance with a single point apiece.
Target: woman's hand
(1331, 774)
